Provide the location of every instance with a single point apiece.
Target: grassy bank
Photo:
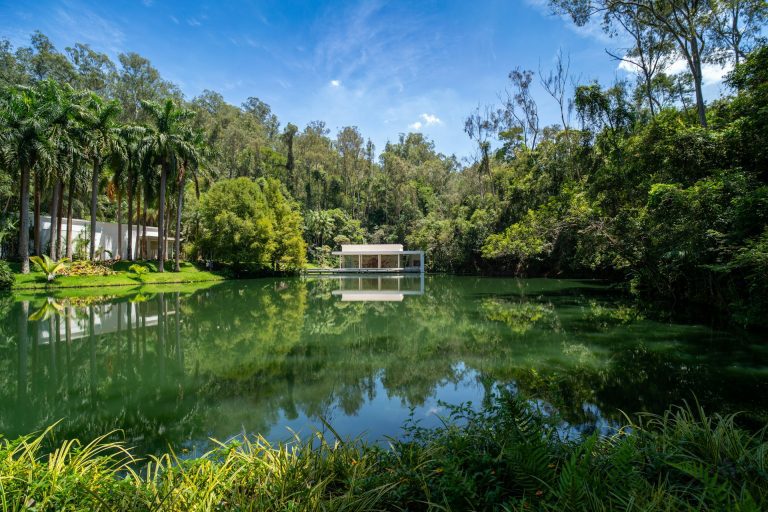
(505, 458)
(189, 273)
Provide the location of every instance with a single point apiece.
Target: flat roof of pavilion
(384, 249)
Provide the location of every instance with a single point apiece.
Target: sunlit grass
(188, 273)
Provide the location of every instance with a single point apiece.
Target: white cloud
(335, 83)
(193, 22)
(430, 119)
(711, 74)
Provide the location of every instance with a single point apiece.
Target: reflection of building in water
(364, 287)
(107, 318)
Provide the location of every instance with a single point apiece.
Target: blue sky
(385, 67)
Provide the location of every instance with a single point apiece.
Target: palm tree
(102, 143)
(130, 140)
(25, 143)
(79, 138)
(191, 162)
(321, 224)
(167, 144)
(67, 135)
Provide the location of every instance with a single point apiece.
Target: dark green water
(176, 366)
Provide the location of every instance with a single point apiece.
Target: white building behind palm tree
(106, 238)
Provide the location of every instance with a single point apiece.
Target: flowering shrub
(87, 268)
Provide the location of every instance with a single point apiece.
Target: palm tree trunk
(71, 194)
(54, 219)
(161, 219)
(59, 216)
(119, 254)
(177, 240)
(94, 205)
(130, 216)
(24, 220)
(37, 212)
(167, 230)
(144, 254)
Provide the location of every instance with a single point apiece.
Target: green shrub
(6, 276)
(49, 267)
(137, 270)
(87, 268)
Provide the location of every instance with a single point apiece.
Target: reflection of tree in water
(175, 366)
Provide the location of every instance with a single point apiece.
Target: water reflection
(382, 288)
(176, 366)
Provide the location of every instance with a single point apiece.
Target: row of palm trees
(54, 138)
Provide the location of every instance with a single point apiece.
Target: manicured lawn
(189, 273)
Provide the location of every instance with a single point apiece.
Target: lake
(175, 366)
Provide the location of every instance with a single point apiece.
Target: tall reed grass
(505, 457)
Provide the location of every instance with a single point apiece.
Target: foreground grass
(504, 458)
(188, 273)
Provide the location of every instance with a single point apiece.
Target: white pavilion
(379, 258)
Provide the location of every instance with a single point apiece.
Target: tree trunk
(130, 216)
(144, 251)
(161, 219)
(37, 212)
(94, 205)
(167, 231)
(696, 65)
(119, 254)
(24, 220)
(177, 240)
(71, 194)
(60, 216)
(54, 220)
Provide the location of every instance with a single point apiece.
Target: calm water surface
(177, 366)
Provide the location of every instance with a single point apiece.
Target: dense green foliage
(647, 189)
(248, 221)
(6, 276)
(504, 457)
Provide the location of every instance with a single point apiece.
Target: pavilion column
(359, 261)
(379, 267)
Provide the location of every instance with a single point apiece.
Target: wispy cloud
(76, 22)
(415, 126)
(193, 22)
(374, 46)
(335, 83)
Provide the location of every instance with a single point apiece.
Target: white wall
(106, 236)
